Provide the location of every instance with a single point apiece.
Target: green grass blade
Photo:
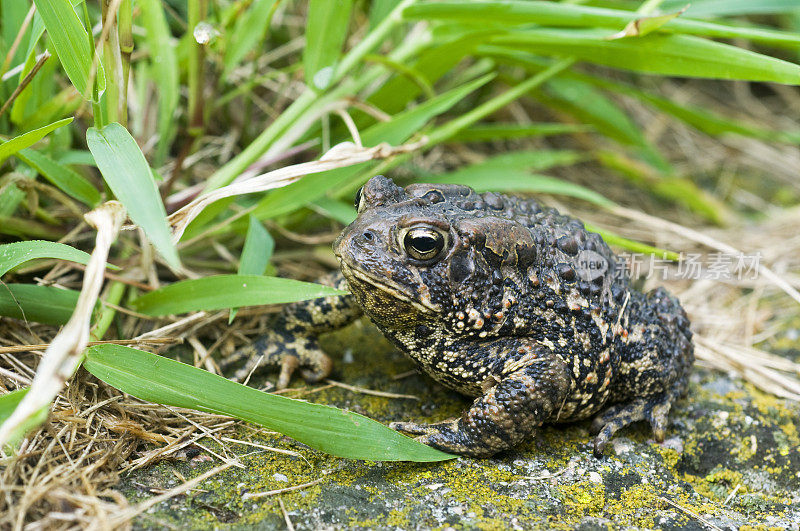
(515, 13)
(257, 249)
(577, 98)
(165, 72)
(342, 212)
(337, 432)
(28, 139)
(66, 102)
(310, 99)
(433, 63)
(520, 12)
(592, 106)
(521, 181)
(587, 109)
(402, 126)
(71, 44)
(39, 304)
(20, 106)
(406, 72)
(723, 31)
(446, 131)
(256, 252)
(379, 9)
(529, 160)
(78, 157)
(11, 197)
(496, 131)
(701, 118)
(685, 191)
(14, 12)
(17, 253)
(210, 214)
(37, 28)
(8, 403)
(672, 55)
(127, 173)
(66, 179)
(250, 29)
(612, 238)
(396, 131)
(25, 228)
(671, 187)
(726, 8)
(642, 26)
(227, 291)
(326, 29)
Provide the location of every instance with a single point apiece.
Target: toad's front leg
(292, 341)
(530, 389)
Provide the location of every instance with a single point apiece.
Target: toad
(500, 299)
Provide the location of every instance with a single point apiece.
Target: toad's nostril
(368, 235)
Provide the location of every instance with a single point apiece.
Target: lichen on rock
(731, 458)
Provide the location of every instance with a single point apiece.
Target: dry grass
(64, 474)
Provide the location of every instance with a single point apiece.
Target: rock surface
(731, 460)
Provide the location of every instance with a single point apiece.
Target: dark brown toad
(501, 299)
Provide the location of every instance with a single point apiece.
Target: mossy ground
(732, 457)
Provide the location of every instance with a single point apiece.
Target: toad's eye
(423, 243)
(357, 201)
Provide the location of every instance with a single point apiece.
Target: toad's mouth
(392, 289)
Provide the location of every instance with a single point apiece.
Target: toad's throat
(391, 289)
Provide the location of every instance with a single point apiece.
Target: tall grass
(155, 103)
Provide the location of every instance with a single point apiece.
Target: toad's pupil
(424, 244)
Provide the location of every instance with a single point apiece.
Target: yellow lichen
(790, 430)
(584, 498)
(631, 504)
(670, 456)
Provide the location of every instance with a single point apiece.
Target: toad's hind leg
(291, 343)
(525, 396)
(653, 409)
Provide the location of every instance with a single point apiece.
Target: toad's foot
(415, 428)
(292, 340)
(286, 352)
(653, 409)
(505, 414)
